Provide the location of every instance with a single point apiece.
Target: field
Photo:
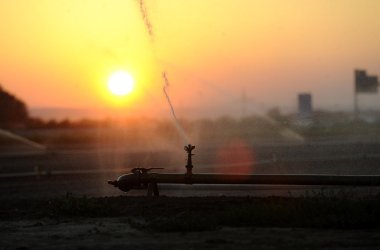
(60, 195)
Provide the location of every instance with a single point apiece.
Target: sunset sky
(61, 53)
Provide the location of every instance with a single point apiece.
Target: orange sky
(60, 53)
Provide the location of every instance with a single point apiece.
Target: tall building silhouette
(305, 107)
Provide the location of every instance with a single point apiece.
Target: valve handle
(142, 170)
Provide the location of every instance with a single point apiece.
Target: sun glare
(120, 83)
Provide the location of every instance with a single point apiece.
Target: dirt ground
(115, 233)
(28, 225)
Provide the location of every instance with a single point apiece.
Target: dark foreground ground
(105, 233)
(321, 221)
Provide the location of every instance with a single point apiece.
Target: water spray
(145, 17)
(176, 122)
(149, 27)
(22, 139)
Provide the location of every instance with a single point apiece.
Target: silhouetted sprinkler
(142, 178)
(189, 167)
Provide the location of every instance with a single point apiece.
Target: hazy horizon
(61, 113)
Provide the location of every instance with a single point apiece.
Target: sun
(121, 83)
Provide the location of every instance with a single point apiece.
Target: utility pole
(243, 103)
(356, 104)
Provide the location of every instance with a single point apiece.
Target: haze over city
(60, 54)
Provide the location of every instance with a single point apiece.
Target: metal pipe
(269, 179)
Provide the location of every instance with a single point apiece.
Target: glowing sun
(120, 83)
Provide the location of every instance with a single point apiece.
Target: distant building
(365, 83)
(305, 108)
